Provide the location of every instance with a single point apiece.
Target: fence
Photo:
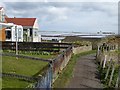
(55, 67)
(35, 46)
(108, 59)
(26, 78)
(48, 74)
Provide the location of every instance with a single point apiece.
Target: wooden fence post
(97, 52)
(108, 69)
(117, 81)
(101, 62)
(104, 61)
(111, 76)
(119, 77)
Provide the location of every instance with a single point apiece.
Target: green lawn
(40, 56)
(44, 55)
(8, 82)
(0, 83)
(21, 66)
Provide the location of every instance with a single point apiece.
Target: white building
(2, 14)
(30, 28)
(12, 31)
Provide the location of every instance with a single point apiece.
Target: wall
(13, 33)
(2, 35)
(80, 49)
(1, 15)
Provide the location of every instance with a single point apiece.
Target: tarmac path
(85, 74)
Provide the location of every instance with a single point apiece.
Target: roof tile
(21, 21)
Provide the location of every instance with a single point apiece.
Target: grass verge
(67, 73)
(8, 82)
(21, 66)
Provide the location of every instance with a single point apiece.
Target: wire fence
(48, 74)
(107, 56)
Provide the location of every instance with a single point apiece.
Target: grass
(112, 54)
(44, 55)
(0, 83)
(103, 73)
(67, 73)
(21, 66)
(40, 56)
(8, 82)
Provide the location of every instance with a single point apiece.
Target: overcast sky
(68, 16)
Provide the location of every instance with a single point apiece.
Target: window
(19, 33)
(30, 31)
(8, 27)
(8, 34)
(35, 33)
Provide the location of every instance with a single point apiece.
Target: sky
(67, 16)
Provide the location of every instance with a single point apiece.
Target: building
(10, 31)
(2, 34)
(30, 28)
(2, 30)
(2, 14)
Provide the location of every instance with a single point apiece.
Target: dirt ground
(85, 74)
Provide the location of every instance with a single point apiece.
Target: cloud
(69, 16)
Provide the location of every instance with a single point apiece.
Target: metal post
(16, 40)
(97, 54)
(51, 74)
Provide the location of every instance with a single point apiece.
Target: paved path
(85, 73)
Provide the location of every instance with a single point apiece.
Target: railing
(30, 79)
(48, 74)
(34, 46)
(55, 67)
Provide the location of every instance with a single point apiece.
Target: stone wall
(77, 50)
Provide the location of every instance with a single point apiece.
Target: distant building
(30, 28)
(105, 33)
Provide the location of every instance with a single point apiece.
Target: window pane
(8, 34)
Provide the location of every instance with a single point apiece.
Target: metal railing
(48, 74)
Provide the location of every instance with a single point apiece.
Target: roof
(21, 21)
(1, 8)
